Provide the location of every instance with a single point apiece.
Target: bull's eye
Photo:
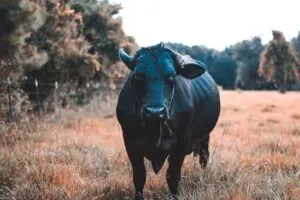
(170, 78)
(139, 81)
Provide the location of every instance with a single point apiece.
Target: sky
(213, 23)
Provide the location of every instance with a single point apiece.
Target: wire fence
(8, 87)
(45, 96)
(37, 92)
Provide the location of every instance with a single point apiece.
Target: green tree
(246, 56)
(278, 62)
(296, 43)
(223, 69)
(220, 64)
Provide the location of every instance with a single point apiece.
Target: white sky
(213, 23)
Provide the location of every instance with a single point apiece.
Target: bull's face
(154, 71)
(153, 84)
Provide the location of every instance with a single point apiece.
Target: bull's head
(154, 73)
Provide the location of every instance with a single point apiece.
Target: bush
(72, 42)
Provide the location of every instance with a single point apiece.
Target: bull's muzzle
(158, 113)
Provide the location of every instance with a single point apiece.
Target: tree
(278, 62)
(296, 43)
(18, 19)
(223, 69)
(246, 56)
(70, 41)
(81, 39)
(220, 64)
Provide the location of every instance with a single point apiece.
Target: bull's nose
(157, 112)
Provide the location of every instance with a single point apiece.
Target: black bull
(167, 108)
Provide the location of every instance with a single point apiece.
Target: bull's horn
(125, 58)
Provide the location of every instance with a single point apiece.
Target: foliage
(278, 62)
(223, 69)
(238, 64)
(220, 64)
(234, 66)
(246, 56)
(296, 43)
(18, 19)
(69, 41)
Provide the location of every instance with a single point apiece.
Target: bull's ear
(189, 67)
(126, 59)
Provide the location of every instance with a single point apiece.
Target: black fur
(191, 109)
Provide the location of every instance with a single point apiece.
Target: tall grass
(251, 157)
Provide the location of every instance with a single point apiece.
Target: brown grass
(255, 154)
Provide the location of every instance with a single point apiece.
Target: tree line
(250, 65)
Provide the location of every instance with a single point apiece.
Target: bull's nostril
(155, 110)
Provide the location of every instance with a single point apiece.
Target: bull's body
(194, 111)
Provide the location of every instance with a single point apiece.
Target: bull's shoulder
(196, 90)
(125, 104)
(183, 99)
(204, 88)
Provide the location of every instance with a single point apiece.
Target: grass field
(255, 154)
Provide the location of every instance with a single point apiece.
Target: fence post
(56, 97)
(37, 95)
(9, 99)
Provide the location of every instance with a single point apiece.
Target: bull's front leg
(174, 171)
(138, 169)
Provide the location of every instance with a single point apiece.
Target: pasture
(254, 154)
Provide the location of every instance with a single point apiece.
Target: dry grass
(255, 154)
